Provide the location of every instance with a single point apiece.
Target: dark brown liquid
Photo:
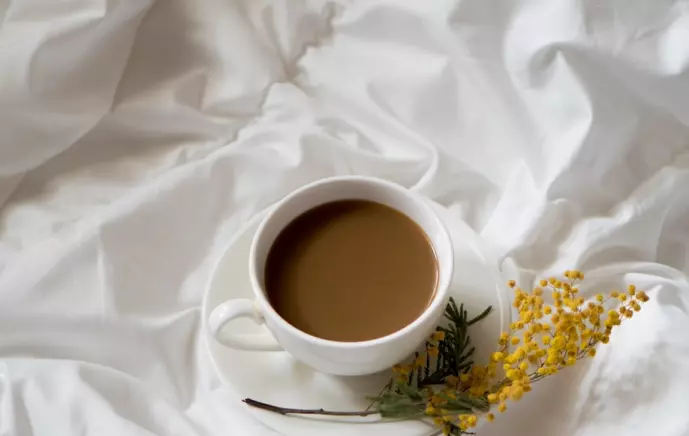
(351, 270)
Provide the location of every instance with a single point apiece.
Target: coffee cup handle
(240, 308)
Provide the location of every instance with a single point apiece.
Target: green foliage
(407, 396)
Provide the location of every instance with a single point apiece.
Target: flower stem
(291, 411)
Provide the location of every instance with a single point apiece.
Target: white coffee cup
(332, 357)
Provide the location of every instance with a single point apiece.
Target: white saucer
(276, 378)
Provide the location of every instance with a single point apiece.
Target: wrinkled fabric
(136, 137)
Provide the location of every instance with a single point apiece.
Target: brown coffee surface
(351, 270)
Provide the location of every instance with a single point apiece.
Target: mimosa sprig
(443, 384)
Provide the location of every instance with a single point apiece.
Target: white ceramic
(277, 378)
(332, 357)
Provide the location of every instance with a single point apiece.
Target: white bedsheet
(136, 137)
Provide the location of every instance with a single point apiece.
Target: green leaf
(406, 400)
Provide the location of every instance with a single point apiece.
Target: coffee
(351, 270)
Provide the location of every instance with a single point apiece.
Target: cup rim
(440, 292)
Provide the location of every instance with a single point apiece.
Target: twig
(382, 391)
(287, 410)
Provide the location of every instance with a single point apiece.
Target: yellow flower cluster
(545, 339)
(435, 403)
(421, 359)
